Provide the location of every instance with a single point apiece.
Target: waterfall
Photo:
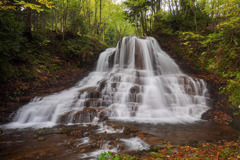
(136, 81)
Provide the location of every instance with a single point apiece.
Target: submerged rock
(130, 131)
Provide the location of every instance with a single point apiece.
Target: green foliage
(218, 57)
(78, 26)
(136, 12)
(105, 156)
(11, 33)
(117, 26)
(28, 55)
(184, 21)
(110, 156)
(156, 155)
(222, 59)
(233, 90)
(35, 4)
(77, 49)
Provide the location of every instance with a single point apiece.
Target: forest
(41, 38)
(208, 32)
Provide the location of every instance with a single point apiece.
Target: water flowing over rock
(136, 81)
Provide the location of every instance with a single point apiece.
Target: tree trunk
(34, 22)
(100, 11)
(169, 6)
(173, 10)
(29, 20)
(56, 22)
(213, 7)
(158, 5)
(95, 19)
(142, 23)
(195, 15)
(52, 18)
(37, 18)
(89, 14)
(177, 11)
(100, 19)
(65, 17)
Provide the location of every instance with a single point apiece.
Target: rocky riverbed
(88, 141)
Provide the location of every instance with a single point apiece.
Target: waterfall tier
(136, 81)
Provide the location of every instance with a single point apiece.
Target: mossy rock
(40, 138)
(156, 155)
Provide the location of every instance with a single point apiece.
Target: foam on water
(103, 128)
(136, 81)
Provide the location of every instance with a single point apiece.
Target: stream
(88, 141)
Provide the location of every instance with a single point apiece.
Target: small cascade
(136, 81)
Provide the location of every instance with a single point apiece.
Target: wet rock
(138, 57)
(207, 115)
(93, 92)
(236, 122)
(167, 90)
(114, 85)
(89, 89)
(44, 131)
(135, 89)
(116, 126)
(130, 131)
(101, 85)
(103, 116)
(85, 116)
(79, 117)
(77, 133)
(120, 145)
(217, 116)
(142, 37)
(209, 102)
(91, 102)
(35, 136)
(111, 59)
(82, 150)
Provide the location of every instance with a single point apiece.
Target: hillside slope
(188, 57)
(47, 65)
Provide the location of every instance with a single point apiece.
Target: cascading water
(135, 81)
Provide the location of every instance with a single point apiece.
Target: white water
(136, 81)
(135, 144)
